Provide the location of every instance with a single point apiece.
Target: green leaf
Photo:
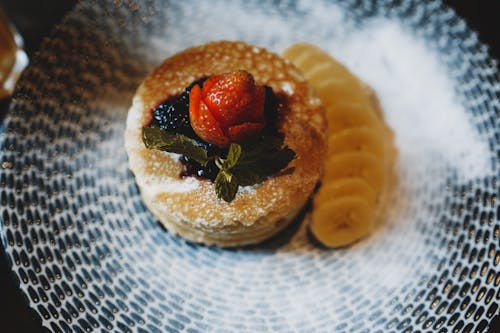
(254, 149)
(247, 176)
(232, 156)
(277, 160)
(243, 165)
(226, 185)
(261, 162)
(156, 138)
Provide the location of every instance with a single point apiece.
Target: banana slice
(362, 139)
(356, 164)
(361, 149)
(335, 92)
(345, 187)
(351, 115)
(311, 60)
(340, 222)
(332, 81)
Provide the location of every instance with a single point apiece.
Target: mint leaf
(248, 176)
(256, 171)
(260, 162)
(277, 160)
(243, 165)
(233, 156)
(226, 185)
(156, 138)
(255, 148)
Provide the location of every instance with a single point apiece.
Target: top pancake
(301, 119)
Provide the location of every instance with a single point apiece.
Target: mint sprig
(156, 138)
(249, 165)
(242, 165)
(226, 185)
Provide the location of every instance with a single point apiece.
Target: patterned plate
(90, 257)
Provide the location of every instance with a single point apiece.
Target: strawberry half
(229, 108)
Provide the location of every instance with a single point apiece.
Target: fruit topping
(228, 108)
(170, 116)
(360, 150)
(224, 126)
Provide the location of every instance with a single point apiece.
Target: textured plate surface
(89, 256)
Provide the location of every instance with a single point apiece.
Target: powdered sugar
(135, 116)
(287, 88)
(156, 186)
(404, 277)
(434, 135)
(414, 87)
(417, 96)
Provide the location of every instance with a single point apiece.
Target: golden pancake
(189, 206)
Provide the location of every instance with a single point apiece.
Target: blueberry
(173, 115)
(193, 168)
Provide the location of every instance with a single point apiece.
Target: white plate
(89, 255)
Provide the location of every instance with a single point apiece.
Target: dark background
(34, 20)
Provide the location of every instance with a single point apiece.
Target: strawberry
(229, 108)
(202, 121)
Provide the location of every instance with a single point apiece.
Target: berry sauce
(173, 115)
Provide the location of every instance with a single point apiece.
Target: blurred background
(34, 18)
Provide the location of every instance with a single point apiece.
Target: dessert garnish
(212, 148)
(360, 151)
(229, 108)
(221, 123)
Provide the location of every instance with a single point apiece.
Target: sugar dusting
(414, 87)
(417, 96)
(288, 88)
(158, 186)
(433, 131)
